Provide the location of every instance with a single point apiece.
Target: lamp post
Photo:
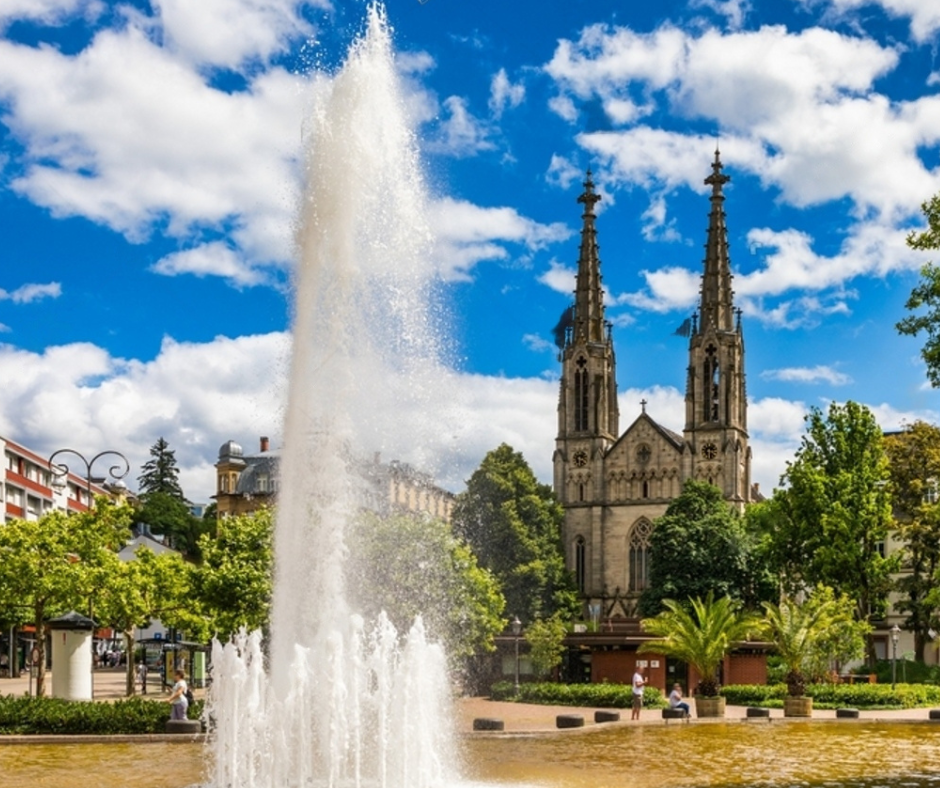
(60, 471)
(895, 637)
(59, 480)
(516, 631)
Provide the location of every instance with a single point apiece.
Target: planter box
(709, 707)
(797, 707)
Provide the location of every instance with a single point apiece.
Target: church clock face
(580, 459)
(709, 451)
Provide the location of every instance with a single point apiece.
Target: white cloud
(817, 374)
(26, 294)
(229, 32)
(924, 14)
(668, 289)
(213, 259)
(562, 172)
(504, 93)
(468, 234)
(460, 133)
(559, 278)
(734, 11)
(49, 12)
(127, 136)
(538, 344)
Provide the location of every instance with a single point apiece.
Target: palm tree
(802, 631)
(700, 637)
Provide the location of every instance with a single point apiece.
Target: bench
(487, 724)
(846, 714)
(606, 715)
(758, 712)
(674, 714)
(569, 721)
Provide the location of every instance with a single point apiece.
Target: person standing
(142, 676)
(639, 681)
(177, 698)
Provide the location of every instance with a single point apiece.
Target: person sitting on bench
(675, 700)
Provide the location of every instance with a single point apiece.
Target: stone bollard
(846, 714)
(756, 711)
(934, 714)
(569, 721)
(606, 715)
(184, 726)
(487, 724)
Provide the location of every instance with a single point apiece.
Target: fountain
(340, 701)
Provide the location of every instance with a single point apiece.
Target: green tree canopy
(171, 516)
(836, 510)
(513, 525)
(927, 293)
(232, 586)
(414, 565)
(700, 634)
(59, 563)
(546, 639)
(160, 474)
(914, 458)
(700, 546)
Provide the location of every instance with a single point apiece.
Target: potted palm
(700, 636)
(802, 634)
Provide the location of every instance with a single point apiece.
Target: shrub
(25, 715)
(834, 696)
(605, 695)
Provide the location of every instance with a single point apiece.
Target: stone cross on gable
(643, 404)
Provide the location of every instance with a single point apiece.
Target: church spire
(589, 303)
(716, 308)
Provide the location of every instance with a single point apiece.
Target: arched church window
(581, 396)
(646, 489)
(639, 555)
(580, 492)
(579, 552)
(712, 383)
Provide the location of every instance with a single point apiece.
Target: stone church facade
(614, 485)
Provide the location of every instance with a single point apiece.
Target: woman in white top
(177, 697)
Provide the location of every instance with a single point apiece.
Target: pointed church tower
(715, 395)
(588, 415)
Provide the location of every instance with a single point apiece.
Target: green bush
(836, 696)
(603, 695)
(25, 715)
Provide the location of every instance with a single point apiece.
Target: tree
(59, 563)
(412, 566)
(836, 511)
(171, 516)
(809, 635)
(914, 457)
(700, 546)
(150, 586)
(926, 293)
(513, 525)
(699, 635)
(546, 639)
(232, 586)
(160, 473)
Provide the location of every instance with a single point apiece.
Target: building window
(579, 563)
(581, 398)
(646, 489)
(639, 555)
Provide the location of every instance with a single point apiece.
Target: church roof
(672, 437)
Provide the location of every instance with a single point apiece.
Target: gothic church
(612, 485)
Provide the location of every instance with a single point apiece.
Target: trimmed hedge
(616, 696)
(834, 696)
(25, 715)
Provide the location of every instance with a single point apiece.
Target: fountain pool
(776, 755)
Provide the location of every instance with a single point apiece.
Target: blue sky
(150, 159)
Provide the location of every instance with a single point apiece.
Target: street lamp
(116, 472)
(895, 637)
(516, 631)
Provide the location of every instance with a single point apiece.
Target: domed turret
(229, 449)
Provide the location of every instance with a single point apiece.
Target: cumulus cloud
(214, 259)
(924, 16)
(468, 234)
(26, 294)
(504, 93)
(817, 374)
(229, 32)
(48, 12)
(559, 277)
(127, 136)
(460, 133)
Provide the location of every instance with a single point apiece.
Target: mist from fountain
(340, 701)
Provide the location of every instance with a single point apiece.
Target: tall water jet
(344, 702)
